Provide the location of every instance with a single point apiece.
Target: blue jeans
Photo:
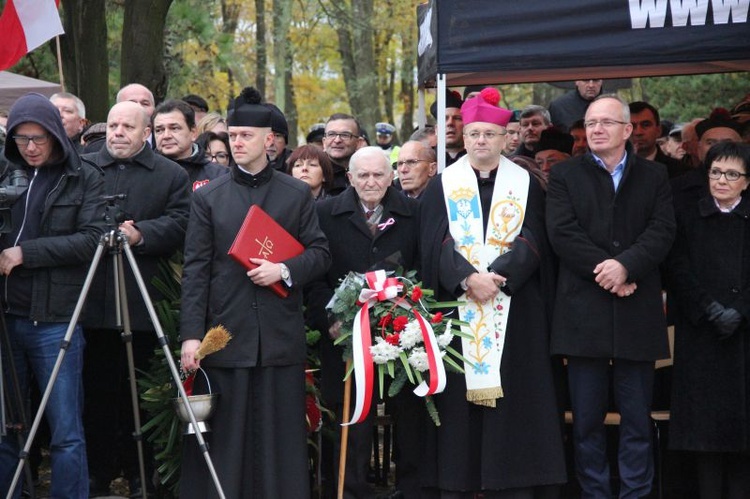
(36, 347)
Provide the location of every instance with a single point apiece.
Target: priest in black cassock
(258, 440)
(483, 242)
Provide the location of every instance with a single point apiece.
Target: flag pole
(59, 63)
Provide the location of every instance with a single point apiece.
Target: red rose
(399, 323)
(392, 339)
(416, 293)
(437, 318)
(385, 321)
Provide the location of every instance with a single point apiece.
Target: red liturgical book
(262, 237)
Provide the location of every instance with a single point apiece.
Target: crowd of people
(559, 230)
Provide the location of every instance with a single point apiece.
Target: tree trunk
(365, 103)
(406, 96)
(282, 64)
(261, 53)
(143, 45)
(230, 15)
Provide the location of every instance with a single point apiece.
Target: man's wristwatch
(284, 272)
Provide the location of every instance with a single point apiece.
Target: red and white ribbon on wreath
(382, 288)
(435, 363)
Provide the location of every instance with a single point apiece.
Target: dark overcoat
(267, 330)
(519, 442)
(710, 261)
(157, 199)
(588, 222)
(355, 248)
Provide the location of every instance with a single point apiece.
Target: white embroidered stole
(487, 322)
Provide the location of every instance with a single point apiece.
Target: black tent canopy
(507, 41)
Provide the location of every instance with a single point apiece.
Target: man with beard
(175, 132)
(343, 136)
(534, 119)
(572, 105)
(454, 126)
(154, 216)
(580, 142)
(277, 151)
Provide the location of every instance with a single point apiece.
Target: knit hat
(278, 121)
(246, 110)
(706, 125)
(552, 138)
(484, 108)
(452, 99)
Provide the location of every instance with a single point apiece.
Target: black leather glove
(727, 323)
(713, 311)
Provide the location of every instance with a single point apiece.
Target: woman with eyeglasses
(709, 277)
(216, 146)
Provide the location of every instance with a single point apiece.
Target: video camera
(17, 184)
(113, 213)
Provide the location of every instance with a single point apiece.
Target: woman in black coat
(709, 275)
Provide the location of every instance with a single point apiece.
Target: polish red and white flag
(24, 26)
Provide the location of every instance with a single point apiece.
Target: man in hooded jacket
(55, 226)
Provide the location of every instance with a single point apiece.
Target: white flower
(411, 335)
(418, 359)
(383, 352)
(444, 339)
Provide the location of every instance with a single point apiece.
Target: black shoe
(136, 491)
(97, 489)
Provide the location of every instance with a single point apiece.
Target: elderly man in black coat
(258, 438)
(369, 226)
(152, 214)
(610, 221)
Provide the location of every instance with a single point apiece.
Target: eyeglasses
(487, 135)
(221, 156)
(411, 163)
(591, 124)
(346, 136)
(23, 140)
(731, 175)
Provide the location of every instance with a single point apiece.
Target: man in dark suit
(369, 226)
(610, 221)
(154, 214)
(646, 131)
(258, 438)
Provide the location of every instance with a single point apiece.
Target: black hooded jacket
(57, 221)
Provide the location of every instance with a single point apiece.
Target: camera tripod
(14, 419)
(116, 244)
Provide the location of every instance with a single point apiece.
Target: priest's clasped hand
(483, 286)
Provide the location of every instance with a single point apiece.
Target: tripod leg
(172, 367)
(127, 338)
(58, 362)
(15, 409)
